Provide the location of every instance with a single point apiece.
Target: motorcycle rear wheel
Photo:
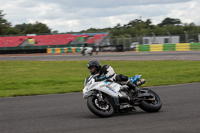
(151, 105)
(101, 109)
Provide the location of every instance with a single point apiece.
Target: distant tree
(41, 28)
(134, 22)
(35, 28)
(11, 31)
(170, 21)
(117, 26)
(148, 23)
(21, 27)
(55, 32)
(92, 30)
(4, 24)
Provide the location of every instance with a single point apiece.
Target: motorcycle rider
(84, 47)
(107, 72)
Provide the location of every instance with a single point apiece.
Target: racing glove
(100, 78)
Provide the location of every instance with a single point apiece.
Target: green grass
(20, 78)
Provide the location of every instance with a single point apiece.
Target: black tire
(151, 105)
(105, 110)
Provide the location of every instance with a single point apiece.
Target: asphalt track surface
(178, 55)
(68, 113)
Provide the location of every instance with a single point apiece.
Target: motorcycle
(87, 50)
(104, 98)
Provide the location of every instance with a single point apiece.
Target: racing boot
(132, 88)
(140, 82)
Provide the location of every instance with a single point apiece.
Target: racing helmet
(94, 66)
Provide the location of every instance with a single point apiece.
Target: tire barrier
(65, 50)
(168, 47)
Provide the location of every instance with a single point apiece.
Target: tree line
(7, 29)
(137, 27)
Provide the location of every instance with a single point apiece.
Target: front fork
(100, 97)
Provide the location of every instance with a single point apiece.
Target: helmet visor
(91, 69)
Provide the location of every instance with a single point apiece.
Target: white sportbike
(87, 50)
(106, 97)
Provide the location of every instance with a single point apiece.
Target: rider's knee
(122, 79)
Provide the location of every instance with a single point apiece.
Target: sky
(76, 15)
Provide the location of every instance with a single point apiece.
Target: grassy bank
(19, 78)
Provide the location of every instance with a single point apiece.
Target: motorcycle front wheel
(100, 108)
(152, 103)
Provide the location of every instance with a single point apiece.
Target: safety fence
(168, 47)
(65, 50)
(110, 48)
(139, 48)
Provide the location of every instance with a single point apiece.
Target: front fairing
(135, 78)
(110, 88)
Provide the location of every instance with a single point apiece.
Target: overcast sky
(77, 15)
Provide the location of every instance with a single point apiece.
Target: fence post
(169, 37)
(186, 36)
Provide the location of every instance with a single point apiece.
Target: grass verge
(20, 78)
